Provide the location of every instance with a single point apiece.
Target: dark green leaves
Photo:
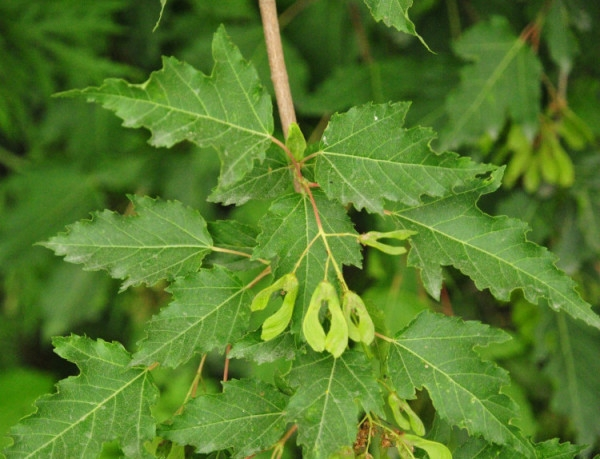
(209, 310)
(164, 240)
(229, 110)
(367, 157)
(436, 352)
(248, 416)
(493, 251)
(109, 400)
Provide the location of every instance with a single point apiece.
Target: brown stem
(226, 369)
(279, 76)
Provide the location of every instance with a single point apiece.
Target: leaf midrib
(435, 368)
(87, 415)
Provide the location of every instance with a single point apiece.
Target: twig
(226, 369)
(279, 76)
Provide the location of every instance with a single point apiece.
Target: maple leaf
(254, 348)
(503, 81)
(436, 352)
(229, 111)
(478, 448)
(109, 400)
(210, 309)
(268, 180)
(290, 237)
(493, 251)
(326, 404)
(164, 240)
(367, 157)
(394, 13)
(248, 416)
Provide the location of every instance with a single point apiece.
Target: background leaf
(502, 82)
(570, 352)
(248, 416)
(326, 404)
(367, 157)
(179, 103)
(436, 352)
(164, 240)
(109, 400)
(210, 309)
(493, 251)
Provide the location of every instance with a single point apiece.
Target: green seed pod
(276, 323)
(337, 337)
(372, 239)
(262, 298)
(400, 408)
(360, 325)
(336, 340)
(566, 174)
(433, 448)
(549, 168)
(394, 404)
(531, 177)
(311, 325)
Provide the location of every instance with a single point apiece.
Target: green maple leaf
(394, 13)
(436, 352)
(290, 237)
(367, 157)
(268, 180)
(252, 347)
(326, 404)
(210, 309)
(164, 240)
(493, 251)
(503, 81)
(248, 416)
(109, 400)
(229, 111)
